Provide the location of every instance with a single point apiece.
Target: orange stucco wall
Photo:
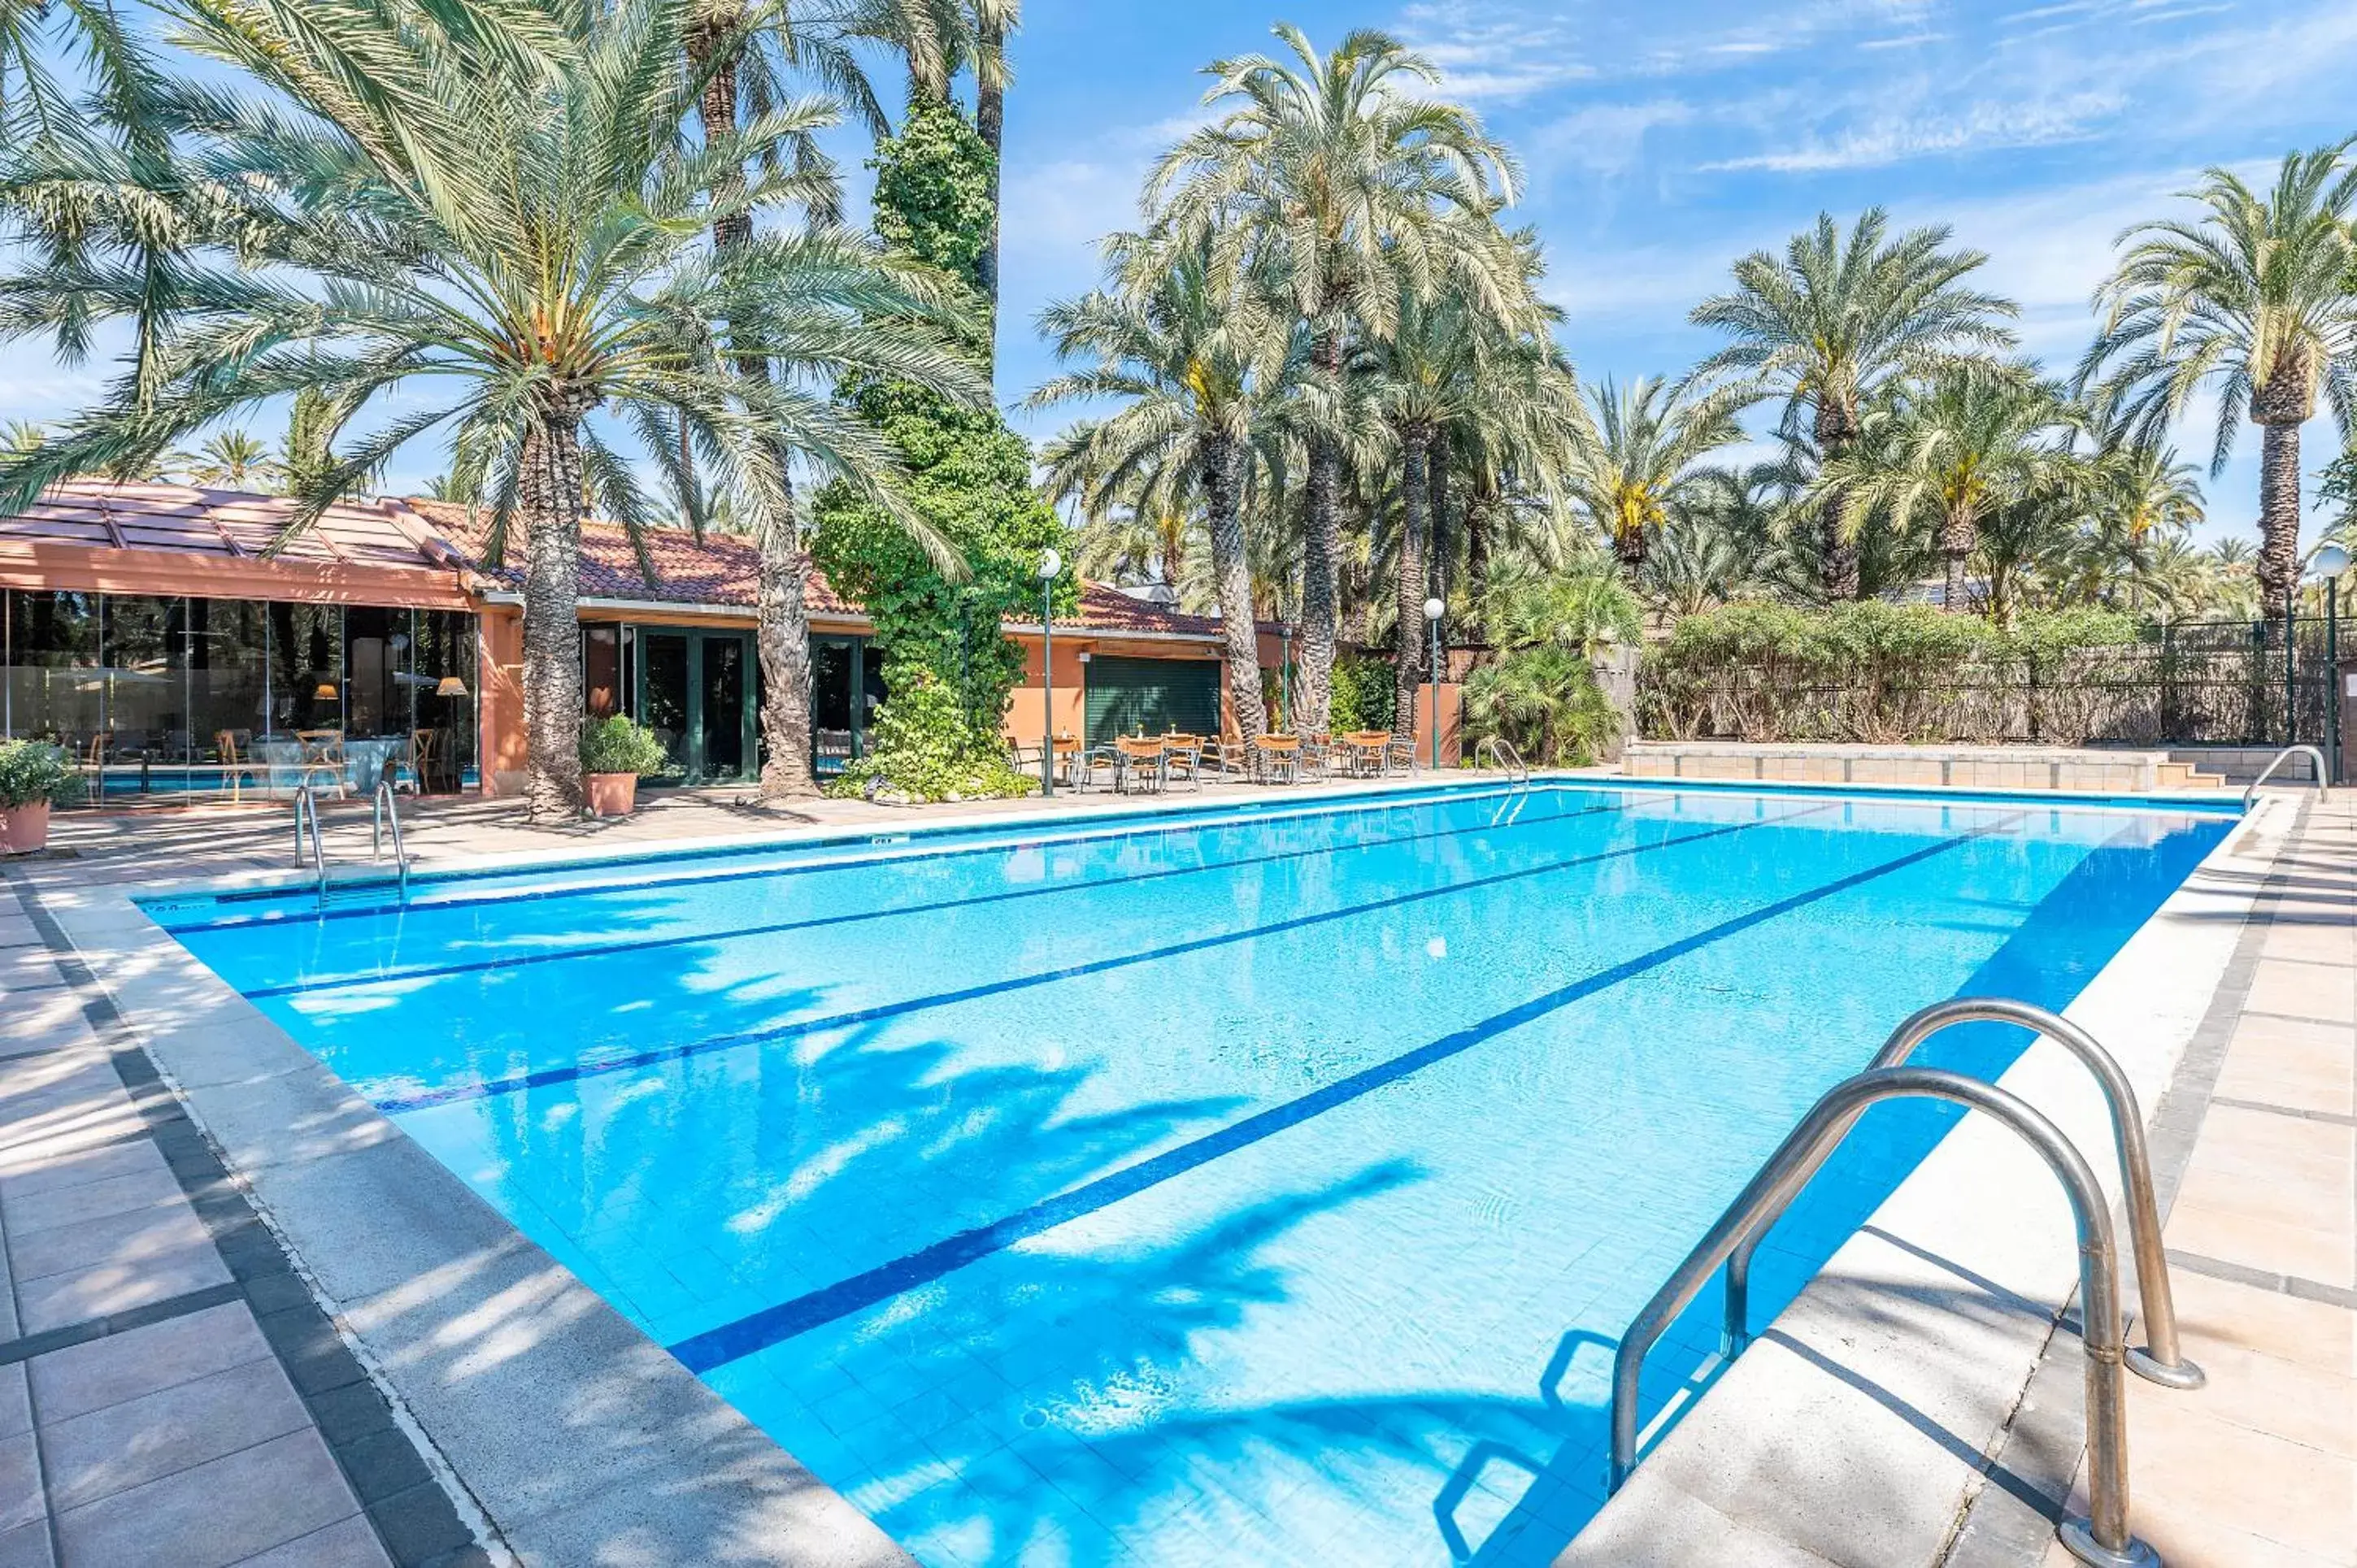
(1452, 716)
(498, 707)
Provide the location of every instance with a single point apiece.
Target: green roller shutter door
(1156, 695)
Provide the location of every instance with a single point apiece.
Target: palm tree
(1974, 440)
(1637, 458)
(1341, 179)
(1830, 323)
(1431, 374)
(232, 460)
(517, 231)
(2253, 301)
(1184, 353)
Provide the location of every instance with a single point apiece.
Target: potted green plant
(33, 778)
(615, 755)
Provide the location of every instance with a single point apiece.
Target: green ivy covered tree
(948, 664)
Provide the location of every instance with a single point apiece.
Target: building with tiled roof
(166, 632)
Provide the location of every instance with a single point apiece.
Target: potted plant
(615, 755)
(33, 778)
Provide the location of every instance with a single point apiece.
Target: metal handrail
(2323, 785)
(388, 808)
(2160, 1359)
(307, 810)
(1508, 758)
(2102, 1539)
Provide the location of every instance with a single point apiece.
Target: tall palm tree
(2251, 301)
(1831, 322)
(1340, 177)
(1637, 458)
(518, 233)
(1430, 373)
(745, 58)
(1181, 343)
(1972, 441)
(232, 460)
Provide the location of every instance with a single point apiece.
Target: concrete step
(2185, 776)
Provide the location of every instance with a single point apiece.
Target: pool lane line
(573, 1072)
(771, 1326)
(609, 950)
(907, 844)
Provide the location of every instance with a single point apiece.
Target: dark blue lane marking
(690, 938)
(756, 1331)
(451, 1093)
(907, 844)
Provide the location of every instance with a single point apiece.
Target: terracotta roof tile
(419, 534)
(724, 569)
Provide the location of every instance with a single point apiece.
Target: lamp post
(1432, 612)
(1049, 564)
(2330, 562)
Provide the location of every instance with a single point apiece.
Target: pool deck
(249, 1323)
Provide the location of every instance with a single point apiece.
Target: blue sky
(1663, 139)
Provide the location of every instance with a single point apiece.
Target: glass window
(144, 652)
(55, 691)
(444, 693)
(307, 664)
(376, 659)
(228, 692)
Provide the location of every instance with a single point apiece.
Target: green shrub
(32, 773)
(1545, 701)
(618, 746)
(1882, 674)
(922, 748)
(1364, 694)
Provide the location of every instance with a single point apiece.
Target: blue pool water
(1263, 1188)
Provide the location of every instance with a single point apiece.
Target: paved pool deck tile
(147, 1414)
(2259, 1468)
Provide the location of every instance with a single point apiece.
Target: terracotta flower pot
(24, 829)
(611, 794)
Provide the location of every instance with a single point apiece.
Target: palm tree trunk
(1957, 536)
(1836, 429)
(548, 495)
(784, 639)
(990, 122)
(1223, 460)
(2279, 563)
(1415, 529)
(1321, 547)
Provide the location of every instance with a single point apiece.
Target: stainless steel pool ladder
(2315, 759)
(1508, 758)
(388, 811)
(2102, 1539)
(307, 813)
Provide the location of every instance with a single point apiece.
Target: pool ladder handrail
(306, 811)
(2103, 1539)
(2315, 759)
(388, 809)
(1508, 758)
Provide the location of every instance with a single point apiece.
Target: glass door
(695, 693)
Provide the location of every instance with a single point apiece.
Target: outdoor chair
(239, 768)
(1138, 764)
(1317, 757)
(1276, 759)
(1183, 754)
(1364, 752)
(1399, 755)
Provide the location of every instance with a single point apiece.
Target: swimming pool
(1225, 1187)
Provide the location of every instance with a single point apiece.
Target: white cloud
(1980, 127)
